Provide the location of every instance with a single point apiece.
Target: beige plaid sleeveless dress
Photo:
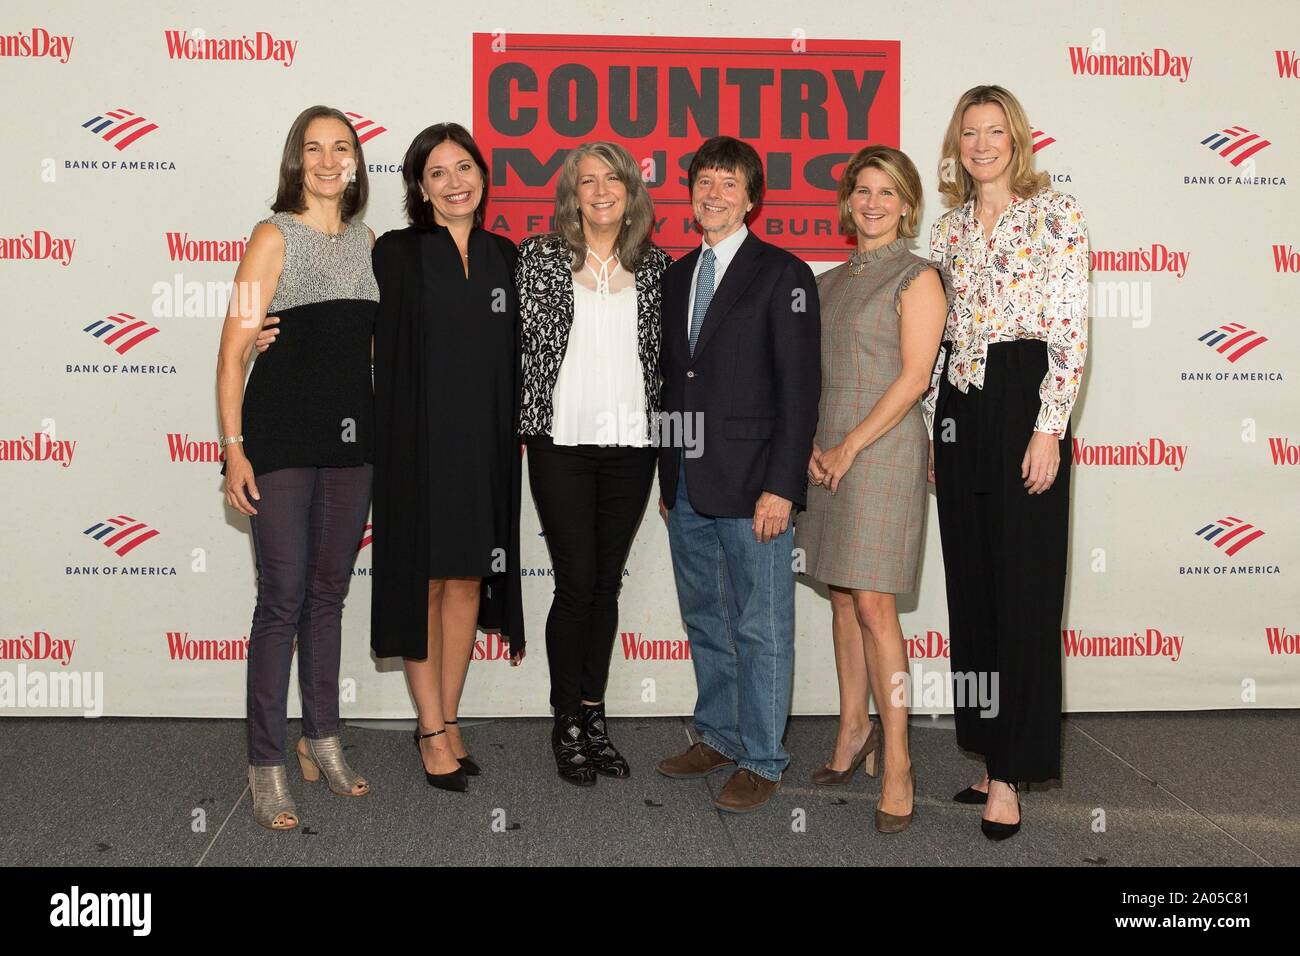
(867, 536)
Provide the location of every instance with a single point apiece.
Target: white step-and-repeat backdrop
(142, 145)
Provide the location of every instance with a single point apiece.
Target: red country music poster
(805, 105)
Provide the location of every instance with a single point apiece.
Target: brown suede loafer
(746, 791)
(699, 761)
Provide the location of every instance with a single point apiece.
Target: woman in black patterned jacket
(589, 297)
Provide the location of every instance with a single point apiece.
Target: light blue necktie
(703, 295)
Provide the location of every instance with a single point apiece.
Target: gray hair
(634, 235)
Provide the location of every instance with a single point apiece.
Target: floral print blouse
(1028, 281)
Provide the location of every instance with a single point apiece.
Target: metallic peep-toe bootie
(272, 802)
(326, 755)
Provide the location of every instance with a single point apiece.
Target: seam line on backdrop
(1229, 834)
(200, 860)
(720, 815)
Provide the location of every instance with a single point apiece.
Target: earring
(627, 221)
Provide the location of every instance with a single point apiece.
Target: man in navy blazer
(741, 365)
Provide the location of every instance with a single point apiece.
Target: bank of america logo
(367, 536)
(1230, 534)
(122, 534)
(1042, 140)
(120, 332)
(1232, 340)
(1235, 143)
(120, 127)
(367, 129)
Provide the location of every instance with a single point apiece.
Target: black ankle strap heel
(1002, 831)
(467, 763)
(454, 781)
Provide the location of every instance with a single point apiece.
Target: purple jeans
(305, 536)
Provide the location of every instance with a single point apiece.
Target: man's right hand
(663, 511)
(816, 473)
(268, 334)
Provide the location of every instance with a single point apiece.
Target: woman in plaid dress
(882, 315)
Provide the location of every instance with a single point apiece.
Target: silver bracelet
(231, 440)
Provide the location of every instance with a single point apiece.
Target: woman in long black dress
(447, 463)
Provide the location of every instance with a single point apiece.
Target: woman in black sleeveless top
(297, 444)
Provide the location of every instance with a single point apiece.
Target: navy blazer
(755, 380)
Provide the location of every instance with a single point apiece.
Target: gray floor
(1138, 790)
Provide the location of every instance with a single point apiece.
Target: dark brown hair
(419, 212)
(288, 194)
(729, 154)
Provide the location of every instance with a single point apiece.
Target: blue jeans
(737, 599)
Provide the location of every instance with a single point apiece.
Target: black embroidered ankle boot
(570, 746)
(603, 757)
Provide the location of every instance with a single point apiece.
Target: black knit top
(309, 399)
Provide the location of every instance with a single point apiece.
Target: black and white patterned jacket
(545, 282)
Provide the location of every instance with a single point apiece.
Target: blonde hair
(955, 183)
(897, 166)
(634, 234)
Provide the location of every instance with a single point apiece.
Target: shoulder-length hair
(634, 234)
(288, 194)
(897, 166)
(419, 212)
(955, 183)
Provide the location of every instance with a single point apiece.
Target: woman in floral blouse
(1014, 254)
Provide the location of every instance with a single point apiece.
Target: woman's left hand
(517, 659)
(1041, 462)
(836, 463)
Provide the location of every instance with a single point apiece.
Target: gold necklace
(452, 236)
(857, 266)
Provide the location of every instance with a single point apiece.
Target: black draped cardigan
(399, 609)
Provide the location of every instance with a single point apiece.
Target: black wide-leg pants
(1004, 555)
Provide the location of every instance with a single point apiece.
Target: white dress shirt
(723, 253)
